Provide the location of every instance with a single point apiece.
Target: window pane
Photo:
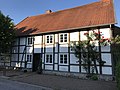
(47, 58)
(47, 39)
(27, 57)
(65, 37)
(50, 58)
(61, 38)
(30, 58)
(61, 58)
(51, 39)
(65, 59)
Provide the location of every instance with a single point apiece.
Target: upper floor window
(29, 58)
(30, 40)
(49, 58)
(49, 39)
(63, 59)
(63, 37)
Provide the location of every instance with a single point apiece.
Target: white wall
(37, 48)
(74, 36)
(22, 41)
(63, 48)
(38, 40)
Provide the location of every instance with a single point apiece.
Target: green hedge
(118, 75)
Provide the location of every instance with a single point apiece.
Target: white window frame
(49, 39)
(29, 57)
(49, 59)
(63, 59)
(63, 38)
(30, 40)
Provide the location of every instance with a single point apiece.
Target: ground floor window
(63, 59)
(29, 58)
(49, 58)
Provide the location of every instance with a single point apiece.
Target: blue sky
(20, 9)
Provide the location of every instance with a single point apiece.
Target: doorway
(37, 62)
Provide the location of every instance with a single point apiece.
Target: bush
(94, 77)
(118, 75)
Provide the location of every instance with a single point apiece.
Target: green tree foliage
(118, 75)
(7, 33)
(87, 50)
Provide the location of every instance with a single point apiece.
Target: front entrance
(37, 62)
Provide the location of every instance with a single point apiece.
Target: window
(63, 37)
(50, 39)
(49, 58)
(29, 58)
(63, 59)
(30, 40)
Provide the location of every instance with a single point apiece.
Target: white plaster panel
(74, 68)
(82, 69)
(63, 48)
(56, 47)
(107, 70)
(48, 67)
(20, 57)
(74, 36)
(49, 48)
(42, 58)
(42, 66)
(29, 49)
(23, 65)
(29, 65)
(13, 64)
(56, 67)
(63, 68)
(56, 58)
(14, 57)
(73, 59)
(106, 57)
(38, 40)
(105, 48)
(14, 49)
(82, 36)
(37, 48)
(22, 41)
(56, 37)
(106, 32)
(21, 49)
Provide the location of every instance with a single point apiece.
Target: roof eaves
(77, 28)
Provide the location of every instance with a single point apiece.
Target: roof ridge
(67, 9)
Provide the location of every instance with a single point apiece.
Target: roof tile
(97, 13)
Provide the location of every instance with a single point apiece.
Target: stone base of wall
(79, 75)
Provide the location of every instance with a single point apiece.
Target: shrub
(118, 75)
(94, 77)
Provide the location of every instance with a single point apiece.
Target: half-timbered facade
(47, 38)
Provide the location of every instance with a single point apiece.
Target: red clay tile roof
(94, 14)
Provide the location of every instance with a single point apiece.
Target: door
(37, 62)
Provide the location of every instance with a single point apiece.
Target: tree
(87, 50)
(7, 35)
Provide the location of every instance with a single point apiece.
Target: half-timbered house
(46, 38)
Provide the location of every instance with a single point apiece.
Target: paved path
(14, 85)
(61, 83)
